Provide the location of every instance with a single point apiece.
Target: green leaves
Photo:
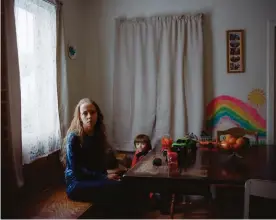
(184, 142)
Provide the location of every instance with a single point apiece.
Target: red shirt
(136, 158)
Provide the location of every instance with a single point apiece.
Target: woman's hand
(120, 170)
(113, 176)
(111, 171)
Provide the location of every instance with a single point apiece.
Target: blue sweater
(84, 162)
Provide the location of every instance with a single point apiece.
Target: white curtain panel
(158, 78)
(37, 50)
(62, 74)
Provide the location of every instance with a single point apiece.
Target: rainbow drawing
(238, 112)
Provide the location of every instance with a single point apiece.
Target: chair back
(260, 188)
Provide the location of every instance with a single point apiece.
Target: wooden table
(203, 168)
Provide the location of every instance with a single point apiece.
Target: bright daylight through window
(36, 42)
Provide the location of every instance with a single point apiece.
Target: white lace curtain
(37, 49)
(158, 78)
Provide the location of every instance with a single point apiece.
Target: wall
(275, 86)
(75, 33)
(221, 15)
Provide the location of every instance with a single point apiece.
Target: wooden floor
(228, 204)
(223, 210)
(198, 209)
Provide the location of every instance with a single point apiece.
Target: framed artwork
(235, 51)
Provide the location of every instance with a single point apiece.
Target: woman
(84, 155)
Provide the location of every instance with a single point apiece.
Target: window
(36, 43)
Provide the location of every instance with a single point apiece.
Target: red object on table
(166, 143)
(172, 158)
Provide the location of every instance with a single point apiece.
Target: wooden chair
(238, 132)
(260, 188)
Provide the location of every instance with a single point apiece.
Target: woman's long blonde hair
(77, 128)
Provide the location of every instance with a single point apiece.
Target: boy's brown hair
(142, 138)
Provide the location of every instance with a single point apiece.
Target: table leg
(172, 206)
